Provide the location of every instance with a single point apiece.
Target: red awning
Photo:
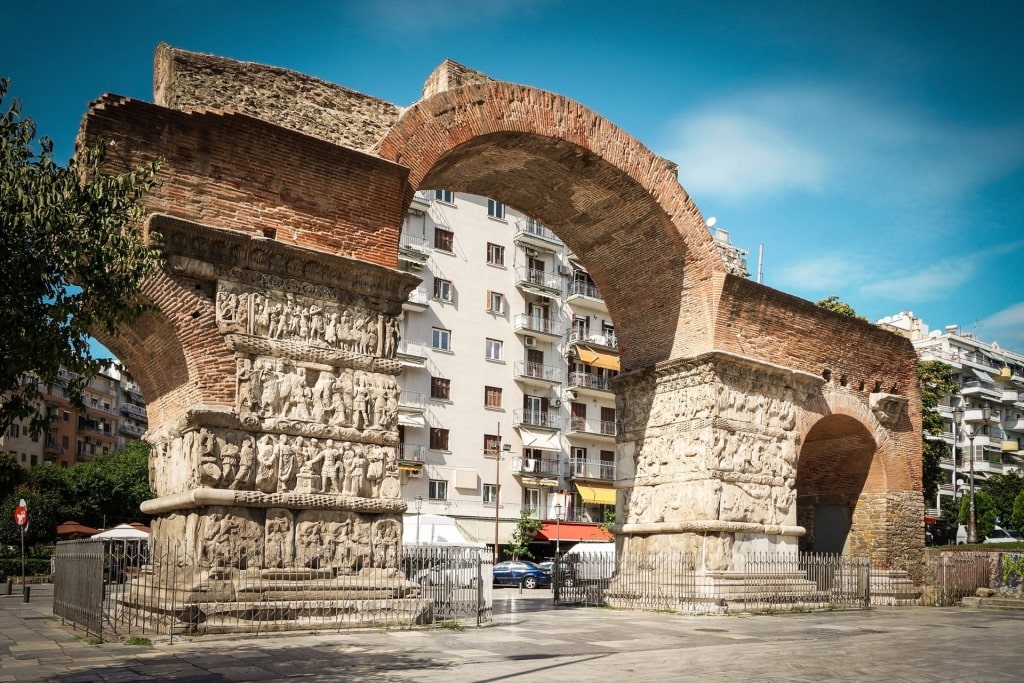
(930, 519)
(73, 528)
(572, 531)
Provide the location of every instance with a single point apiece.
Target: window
(440, 388)
(438, 439)
(492, 397)
(67, 416)
(490, 494)
(495, 209)
(495, 254)
(495, 302)
(441, 339)
(492, 444)
(14, 430)
(494, 349)
(444, 239)
(63, 443)
(446, 196)
(437, 489)
(442, 289)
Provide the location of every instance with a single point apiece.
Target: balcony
(418, 300)
(585, 295)
(976, 415)
(982, 389)
(410, 457)
(590, 383)
(414, 250)
(539, 282)
(605, 339)
(1011, 445)
(537, 374)
(1010, 396)
(600, 429)
(538, 467)
(134, 410)
(412, 353)
(132, 429)
(420, 202)
(538, 327)
(530, 232)
(536, 418)
(591, 469)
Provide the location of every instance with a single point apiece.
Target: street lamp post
(558, 530)
(419, 506)
(958, 415)
(972, 528)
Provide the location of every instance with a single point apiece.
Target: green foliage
(609, 519)
(11, 474)
(833, 304)
(1004, 489)
(936, 380)
(524, 533)
(1017, 517)
(72, 263)
(984, 513)
(34, 566)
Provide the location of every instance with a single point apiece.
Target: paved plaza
(532, 641)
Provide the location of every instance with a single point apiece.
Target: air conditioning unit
(529, 342)
(529, 465)
(564, 270)
(415, 265)
(571, 395)
(530, 251)
(415, 474)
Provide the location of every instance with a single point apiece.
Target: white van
(591, 561)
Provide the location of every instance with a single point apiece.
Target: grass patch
(139, 640)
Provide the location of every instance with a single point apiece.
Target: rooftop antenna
(760, 263)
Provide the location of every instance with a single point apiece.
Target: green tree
(11, 474)
(524, 533)
(1004, 489)
(1017, 517)
(109, 489)
(984, 513)
(833, 304)
(72, 261)
(937, 380)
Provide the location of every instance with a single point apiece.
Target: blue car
(521, 573)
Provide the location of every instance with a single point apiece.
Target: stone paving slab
(912, 644)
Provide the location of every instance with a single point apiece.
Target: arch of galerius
(274, 330)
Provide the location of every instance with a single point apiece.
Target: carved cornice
(204, 251)
(204, 497)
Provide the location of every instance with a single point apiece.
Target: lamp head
(958, 415)
(419, 503)
(986, 412)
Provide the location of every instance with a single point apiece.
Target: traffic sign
(21, 515)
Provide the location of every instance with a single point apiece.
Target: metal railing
(606, 339)
(762, 582)
(591, 469)
(537, 418)
(547, 373)
(540, 278)
(589, 380)
(951, 576)
(114, 592)
(595, 427)
(525, 321)
(531, 228)
(577, 288)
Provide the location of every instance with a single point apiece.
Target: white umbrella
(122, 532)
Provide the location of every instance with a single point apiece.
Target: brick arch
(614, 202)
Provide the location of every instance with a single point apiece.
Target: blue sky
(875, 149)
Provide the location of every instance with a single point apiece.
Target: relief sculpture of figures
(266, 474)
(284, 455)
(329, 469)
(246, 459)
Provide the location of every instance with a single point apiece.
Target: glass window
(495, 302)
(438, 439)
(490, 494)
(494, 349)
(440, 388)
(442, 289)
(441, 339)
(437, 489)
(446, 196)
(492, 397)
(444, 239)
(495, 254)
(495, 209)
(14, 430)
(492, 444)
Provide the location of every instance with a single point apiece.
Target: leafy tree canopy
(524, 533)
(1017, 517)
(833, 304)
(72, 259)
(984, 513)
(1004, 489)
(936, 380)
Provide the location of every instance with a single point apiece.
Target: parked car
(457, 573)
(1000, 535)
(521, 573)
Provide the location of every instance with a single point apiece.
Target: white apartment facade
(991, 381)
(508, 353)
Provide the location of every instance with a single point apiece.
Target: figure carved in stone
(361, 404)
(359, 466)
(280, 541)
(246, 459)
(321, 397)
(375, 470)
(385, 544)
(209, 467)
(391, 337)
(309, 542)
(340, 534)
(329, 469)
(348, 461)
(266, 474)
(284, 455)
(229, 456)
(218, 531)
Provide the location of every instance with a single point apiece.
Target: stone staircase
(893, 587)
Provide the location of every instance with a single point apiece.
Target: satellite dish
(711, 222)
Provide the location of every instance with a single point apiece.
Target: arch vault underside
(279, 209)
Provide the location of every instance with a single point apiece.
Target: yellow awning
(598, 360)
(533, 481)
(596, 495)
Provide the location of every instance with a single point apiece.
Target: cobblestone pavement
(531, 644)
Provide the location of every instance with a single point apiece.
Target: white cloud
(1006, 327)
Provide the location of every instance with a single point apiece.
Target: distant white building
(991, 378)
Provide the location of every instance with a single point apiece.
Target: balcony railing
(582, 425)
(606, 339)
(537, 418)
(526, 276)
(587, 289)
(589, 380)
(592, 469)
(132, 429)
(417, 243)
(418, 297)
(410, 452)
(538, 371)
(413, 348)
(412, 400)
(528, 227)
(525, 321)
(132, 409)
(536, 466)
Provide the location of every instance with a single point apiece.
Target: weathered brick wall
(238, 173)
(190, 81)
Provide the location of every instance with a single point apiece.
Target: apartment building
(114, 414)
(991, 399)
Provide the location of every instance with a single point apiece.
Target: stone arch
(613, 202)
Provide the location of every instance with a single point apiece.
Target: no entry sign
(21, 515)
